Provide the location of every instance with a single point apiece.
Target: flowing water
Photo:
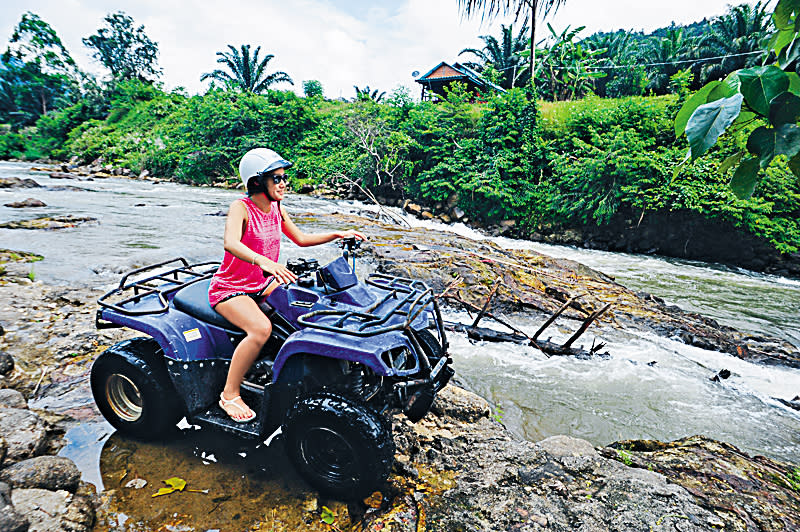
(650, 387)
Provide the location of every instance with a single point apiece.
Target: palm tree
(739, 35)
(503, 56)
(249, 74)
(365, 95)
(667, 52)
(491, 8)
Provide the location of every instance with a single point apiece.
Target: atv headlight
(397, 358)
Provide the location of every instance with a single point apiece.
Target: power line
(614, 67)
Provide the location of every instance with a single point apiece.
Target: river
(651, 387)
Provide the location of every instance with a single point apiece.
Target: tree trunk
(533, 47)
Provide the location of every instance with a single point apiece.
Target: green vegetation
(580, 163)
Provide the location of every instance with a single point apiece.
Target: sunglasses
(278, 179)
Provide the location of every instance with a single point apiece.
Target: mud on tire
(338, 445)
(132, 391)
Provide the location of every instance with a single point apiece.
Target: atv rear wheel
(339, 446)
(132, 393)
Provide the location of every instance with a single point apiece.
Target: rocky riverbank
(458, 469)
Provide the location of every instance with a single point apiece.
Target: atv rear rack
(172, 279)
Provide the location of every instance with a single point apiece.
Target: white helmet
(259, 161)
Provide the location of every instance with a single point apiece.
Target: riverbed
(650, 388)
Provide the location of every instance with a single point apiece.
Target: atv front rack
(411, 293)
(172, 279)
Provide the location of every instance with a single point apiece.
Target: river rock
(46, 472)
(16, 182)
(479, 477)
(63, 175)
(12, 399)
(49, 222)
(748, 493)
(28, 202)
(24, 431)
(6, 363)
(54, 511)
(10, 519)
(413, 208)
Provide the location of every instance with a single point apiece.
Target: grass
(556, 115)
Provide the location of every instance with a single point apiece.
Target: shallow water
(650, 387)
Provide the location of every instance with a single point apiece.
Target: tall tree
(665, 55)
(125, 50)
(502, 55)
(37, 74)
(520, 8)
(739, 36)
(247, 73)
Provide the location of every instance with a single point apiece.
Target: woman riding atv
(250, 266)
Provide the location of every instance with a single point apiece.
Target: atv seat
(193, 300)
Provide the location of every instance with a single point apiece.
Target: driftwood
(518, 336)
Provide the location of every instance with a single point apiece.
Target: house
(442, 75)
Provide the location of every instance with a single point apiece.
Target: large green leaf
(787, 140)
(693, 102)
(760, 85)
(709, 121)
(743, 183)
(784, 11)
(794, 82)
(781, 39)
(761, 143)
(794, 165)
(784, 109)
(730, 162)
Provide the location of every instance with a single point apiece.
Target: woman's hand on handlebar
(281, 273)
(350, 234)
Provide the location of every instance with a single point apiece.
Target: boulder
(46, 472)
(63, 175)
(54, 510)
(16, 182)
(413, 208)
(29, 202)
(426, 215)
(24, 431)
(456, 213)
(49, 222)
(10, 519)
(12, 399)
(6, 363)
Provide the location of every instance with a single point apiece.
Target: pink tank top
(262, 234)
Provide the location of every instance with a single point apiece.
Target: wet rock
(50, 222)
(6, 363)
(62, 175)
(46, 472)
(24, 431)
(747, 493)
(12, 399)
(413, 208)
(10, 519)
(54, 510)
(28, 202)
(307, 188)
(426, 215)
(457, 213)
(16, 182)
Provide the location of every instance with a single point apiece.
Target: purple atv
(343, 355)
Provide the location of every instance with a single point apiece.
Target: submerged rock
(29, 202)
(50, 222)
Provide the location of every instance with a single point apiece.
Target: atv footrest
(217, 418)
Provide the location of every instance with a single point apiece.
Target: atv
(343, 356)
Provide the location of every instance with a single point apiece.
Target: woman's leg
(243, 312)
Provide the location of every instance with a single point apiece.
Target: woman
(250, 267)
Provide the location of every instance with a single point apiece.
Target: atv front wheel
(339, 446)
(132, 392)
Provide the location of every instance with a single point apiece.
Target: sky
(339, 43)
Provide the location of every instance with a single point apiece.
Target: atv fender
(363, 350)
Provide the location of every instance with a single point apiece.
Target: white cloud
(339, 43)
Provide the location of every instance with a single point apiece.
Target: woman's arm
(235, 225)
(312, 239)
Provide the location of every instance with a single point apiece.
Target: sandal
(223, 403)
